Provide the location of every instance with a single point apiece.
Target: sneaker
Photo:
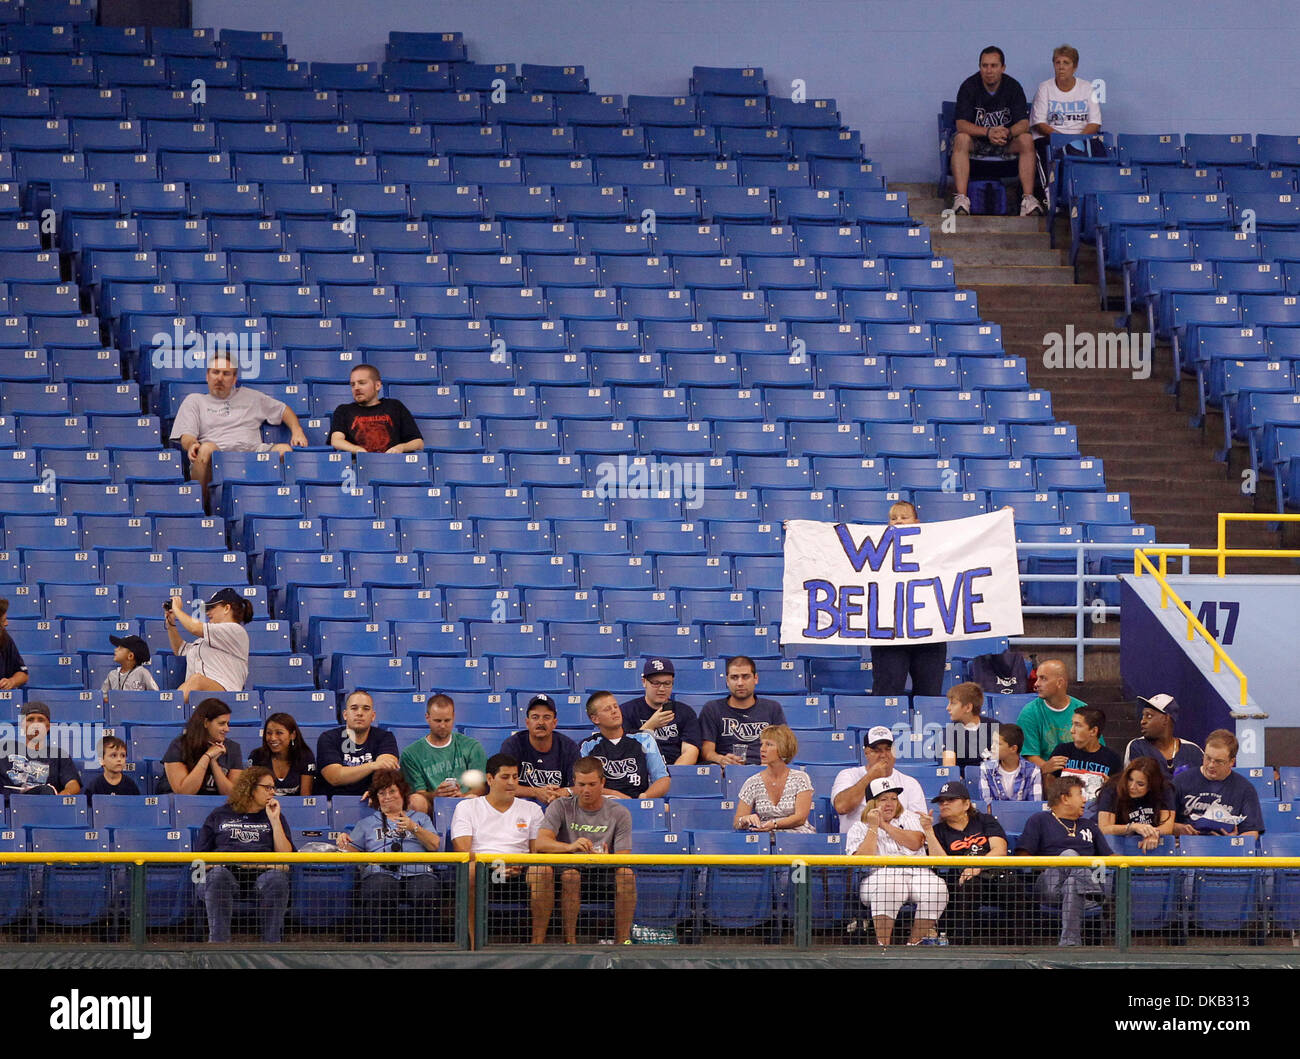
(1030, 207)
(960, 204)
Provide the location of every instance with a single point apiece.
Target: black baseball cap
(134, 644)
(542, 700)
(225, 595)
(952, 789)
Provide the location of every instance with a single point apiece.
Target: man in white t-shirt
(498, 822)
(849, 792)
(228, 417)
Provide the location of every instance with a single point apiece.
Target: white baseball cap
(879, 734)
(883, 785)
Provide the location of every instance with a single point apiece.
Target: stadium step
(1150, 447)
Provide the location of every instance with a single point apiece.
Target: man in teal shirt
(434, 765)
(1046, 720)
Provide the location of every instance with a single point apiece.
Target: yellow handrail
(1266, 553)
(650, 859)
(1222, 553)
(1141, 563)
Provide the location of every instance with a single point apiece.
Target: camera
(167, 604)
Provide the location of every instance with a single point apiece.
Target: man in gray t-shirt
(228, 417)
(589, 823)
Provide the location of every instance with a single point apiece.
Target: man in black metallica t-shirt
(372, 423)
(993, 124)
(673, 724)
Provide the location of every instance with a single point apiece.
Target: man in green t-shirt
(1046, 720)
(434, 765)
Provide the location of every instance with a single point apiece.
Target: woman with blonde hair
(778, 798)
(889, 830)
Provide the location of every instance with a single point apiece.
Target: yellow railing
(1222, 553)
(698, 860)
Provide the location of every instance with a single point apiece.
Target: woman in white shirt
(1064, 103)
(218, 659)
(888, 830)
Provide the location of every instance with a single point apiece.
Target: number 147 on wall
(1208, 616)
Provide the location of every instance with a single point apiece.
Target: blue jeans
(221, 889)
(1069, 888)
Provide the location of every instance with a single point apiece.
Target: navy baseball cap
(952, 789)
(225, 595)
(542, 700)
(657, 667)
(135, 645)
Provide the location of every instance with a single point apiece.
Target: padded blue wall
(1168, 65)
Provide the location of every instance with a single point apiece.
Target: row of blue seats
(308, 815)
(681, 271)
(119, 185)
(506, 132)
(423, 104)
(391, 162)
(818, 711)
(85, 231)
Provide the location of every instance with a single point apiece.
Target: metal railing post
(801, 877)
(139, 902)
(1123, 908)
(462, 905)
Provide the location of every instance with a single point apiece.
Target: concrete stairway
(1150, 448)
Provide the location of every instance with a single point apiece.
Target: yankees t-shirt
(376, 428)
(1217, 806)
(1094, 767)
(1045, 836)
(988, 110)
(552, 768)
(335, 748)
(1187, 756)
(683, 728)
(1144, 811)
(609, 827)
(734, 731)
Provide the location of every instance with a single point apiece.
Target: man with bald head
(1046, 720)
(229, 418)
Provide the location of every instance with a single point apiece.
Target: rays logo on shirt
(536, 776)
(667, 733)
(621, 769)
(991, 119)
(742, 731)
(243, 832)
(24, 772)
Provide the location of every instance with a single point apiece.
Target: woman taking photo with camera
(218, 659)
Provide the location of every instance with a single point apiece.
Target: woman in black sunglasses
(395, 892)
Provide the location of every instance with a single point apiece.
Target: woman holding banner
(924, 662)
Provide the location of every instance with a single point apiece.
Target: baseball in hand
(472, 779)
